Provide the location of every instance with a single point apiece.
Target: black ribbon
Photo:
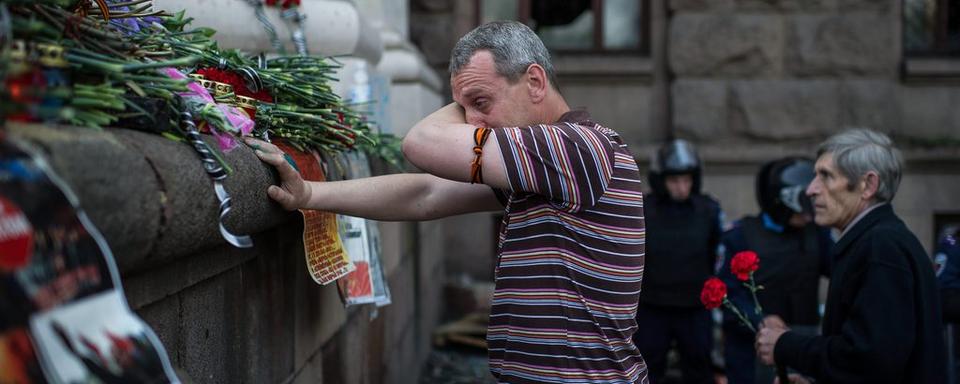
(216, 172)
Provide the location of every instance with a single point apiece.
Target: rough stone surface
(268, 330)
(149, 196)
(874, 5)
(861, 43)
(210, 329)
(700, 5)
(726, 44)
(784, 5)
(622, 105)
(870, 104)
(164, 318)
(784, 110)
(700, 109)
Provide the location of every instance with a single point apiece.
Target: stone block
(930, 112)
(700, 5)
(784, 110)
(344, 357)
(871, 5)
(726, 44)
(145, 287)
(164, 318)
(318, 313)
(210, 322)
(870, 104)
(400, 314)
(700, 109)
(855, 43)
(310, 373)
(784, 5)
(268, 315)
(622, 105)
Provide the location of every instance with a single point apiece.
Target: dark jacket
(882, 322)
(681, 249)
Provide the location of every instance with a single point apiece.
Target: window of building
(931, 28)
(578, 25)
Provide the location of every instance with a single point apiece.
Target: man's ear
(871, 184)
(537, 83)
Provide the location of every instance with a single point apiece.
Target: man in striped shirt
(572, 243)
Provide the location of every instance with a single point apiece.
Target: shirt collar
(858, 218)
(575, 116)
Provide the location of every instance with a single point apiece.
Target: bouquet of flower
(714, 294)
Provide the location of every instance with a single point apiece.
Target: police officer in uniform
(683, 233)
(946, 260)
(793, 254)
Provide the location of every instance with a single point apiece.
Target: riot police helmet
(781, 188)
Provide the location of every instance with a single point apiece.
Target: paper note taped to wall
(325, 257)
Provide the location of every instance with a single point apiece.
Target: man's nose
(813, 189)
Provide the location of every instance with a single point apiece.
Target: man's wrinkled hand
(293, 192)
(774, 321)
(767, 337)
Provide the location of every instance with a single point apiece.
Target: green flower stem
(752, 286)
(743, 319)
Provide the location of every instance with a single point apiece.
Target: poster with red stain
(324, 251)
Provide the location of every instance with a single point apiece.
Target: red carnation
(744, 263)
(714, 293)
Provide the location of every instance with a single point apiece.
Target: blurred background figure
(793, 254)
(683, 232)
(946, 261)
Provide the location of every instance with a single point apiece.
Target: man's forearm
(449, 114)
(397, 197)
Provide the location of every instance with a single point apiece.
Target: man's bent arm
(442, 144)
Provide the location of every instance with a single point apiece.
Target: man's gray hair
(858, 151)
(514, 47)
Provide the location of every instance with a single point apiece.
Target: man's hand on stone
(293, 192)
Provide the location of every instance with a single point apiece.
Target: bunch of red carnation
(714, 293)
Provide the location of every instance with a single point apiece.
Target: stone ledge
(618, 65)
(934, 68)
(149, 195)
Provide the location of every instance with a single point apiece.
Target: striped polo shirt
(570, 257)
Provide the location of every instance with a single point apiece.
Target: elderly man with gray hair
(882, 322)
